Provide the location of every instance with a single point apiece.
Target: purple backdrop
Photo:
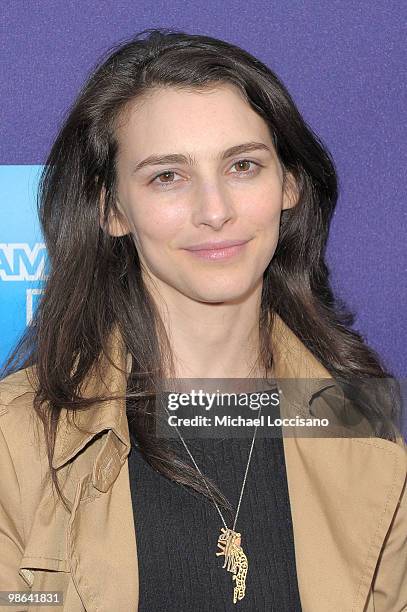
(344, 66)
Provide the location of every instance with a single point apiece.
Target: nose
(212, 207)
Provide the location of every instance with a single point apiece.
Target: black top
(177, 529)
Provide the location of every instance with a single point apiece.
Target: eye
(165, 183)
(246, 161)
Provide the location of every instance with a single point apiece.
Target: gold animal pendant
(235, 560)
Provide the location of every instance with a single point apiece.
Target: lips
(218, 251)
(212, 246)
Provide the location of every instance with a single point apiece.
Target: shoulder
(15, 386)
(21, 432)
(401, 443)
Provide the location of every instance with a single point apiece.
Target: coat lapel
(343, 494)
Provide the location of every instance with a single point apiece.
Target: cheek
(265, 213)
(158, 224)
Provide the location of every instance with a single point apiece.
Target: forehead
(170, 118)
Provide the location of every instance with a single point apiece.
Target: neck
(212, 340)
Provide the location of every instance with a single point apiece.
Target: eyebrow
(180, 158)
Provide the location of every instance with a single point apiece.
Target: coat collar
(291, 360)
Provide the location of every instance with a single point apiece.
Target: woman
(185, 206)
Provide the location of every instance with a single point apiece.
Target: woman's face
(202, 193)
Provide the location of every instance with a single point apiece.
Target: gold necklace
(229, 541)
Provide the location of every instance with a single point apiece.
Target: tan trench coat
(348, 501)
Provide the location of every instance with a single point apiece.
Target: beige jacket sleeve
(389, 588)
(11, 526)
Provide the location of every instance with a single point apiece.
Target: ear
(117, 224)
(291, 194)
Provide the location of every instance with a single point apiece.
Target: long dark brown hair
(95, 281)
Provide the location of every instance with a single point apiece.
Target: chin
(218, 293)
